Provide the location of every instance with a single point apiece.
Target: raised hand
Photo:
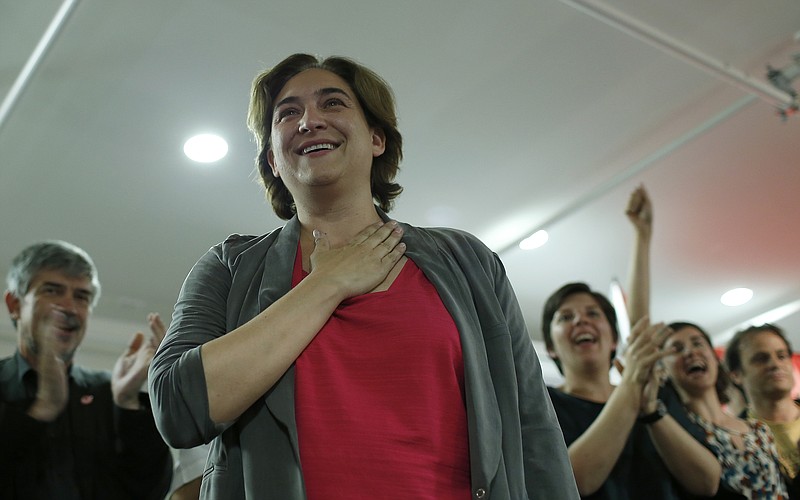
(364, 262)
(130, 370)
(52, 392)
(640, 211)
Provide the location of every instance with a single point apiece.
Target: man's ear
(736, 377)
(13, 304)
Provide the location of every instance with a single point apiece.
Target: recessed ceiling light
(736, 297)
(535, 240)
(206, 148)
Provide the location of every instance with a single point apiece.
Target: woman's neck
(338, 216)
(592, 386)
(339, 225)
(707, 406)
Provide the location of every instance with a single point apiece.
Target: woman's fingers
(386, 235)
(645, 348)
(364, 261)
(374, 234)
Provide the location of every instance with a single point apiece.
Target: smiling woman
(373, 96)
(622, 443)
(696, 387)
(346, 353)
(745, 448)
(335, 144)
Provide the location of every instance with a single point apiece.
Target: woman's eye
(564, 317)
(285, 112)
(333, 102)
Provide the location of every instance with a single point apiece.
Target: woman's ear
(378, 142)
(271, 163)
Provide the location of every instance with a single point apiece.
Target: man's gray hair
(51, 255)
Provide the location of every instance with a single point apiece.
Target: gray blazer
(517, 450)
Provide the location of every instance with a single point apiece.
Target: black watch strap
(661, 410)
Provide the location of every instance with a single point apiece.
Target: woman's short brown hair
(376, 99)
(559, 296)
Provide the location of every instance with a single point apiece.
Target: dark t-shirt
(639, 472)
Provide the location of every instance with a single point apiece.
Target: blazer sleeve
(176, 380)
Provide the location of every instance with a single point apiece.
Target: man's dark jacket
(93, 450)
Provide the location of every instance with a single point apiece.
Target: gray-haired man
(67, 431)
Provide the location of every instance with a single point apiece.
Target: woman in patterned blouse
(745, 448)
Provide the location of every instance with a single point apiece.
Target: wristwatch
(661, 410)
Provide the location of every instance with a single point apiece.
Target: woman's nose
(311, 120)
(690, 349)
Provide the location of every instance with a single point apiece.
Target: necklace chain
(729, 431)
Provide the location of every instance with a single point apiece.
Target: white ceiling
(516, 114)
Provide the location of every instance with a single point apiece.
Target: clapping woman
(745, 448)
(621, 445)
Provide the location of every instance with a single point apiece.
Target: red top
(380, 398)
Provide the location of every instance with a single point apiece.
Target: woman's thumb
(320, 240)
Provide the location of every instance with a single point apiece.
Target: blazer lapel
(276, 281)
(453, 283)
